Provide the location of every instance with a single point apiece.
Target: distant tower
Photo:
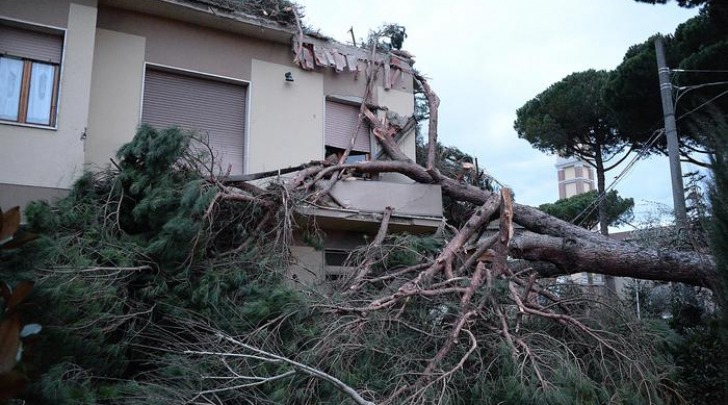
(575, 177)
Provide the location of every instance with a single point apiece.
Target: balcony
(417, 207)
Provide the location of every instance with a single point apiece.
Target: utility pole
(668, 111)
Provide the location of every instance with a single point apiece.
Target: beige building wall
(101, 91)
(47, 12)
(570, 173)
(116, 93)
(349, 84)
(46, 157)
(570, 190)
(286, 118)
(192, 47)
(344, 84)
(574, 176)
(308, 265)
(402, 103)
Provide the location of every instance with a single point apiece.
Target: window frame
(24, 98)
(339, 148)
(177, 70)
(26, 78)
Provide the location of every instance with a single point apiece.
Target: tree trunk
(572, 254)
(591, 252)
(601, 186)
(566, 247)
(609, 281)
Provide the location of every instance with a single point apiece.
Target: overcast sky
(486, 58)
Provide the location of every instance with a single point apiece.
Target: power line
(586, 212)
(620, 176)
(703, 105)
(697, 86)
(698, 71)
(686, 89)
(643, 152)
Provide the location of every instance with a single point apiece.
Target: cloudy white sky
(487, 58)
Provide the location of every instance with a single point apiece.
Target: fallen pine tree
(176, 278)
(569, 248)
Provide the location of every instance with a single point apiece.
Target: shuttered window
(341, 122)
(40, 46)
(29, 74)
(213, 108)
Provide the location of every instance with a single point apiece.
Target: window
(336, 257)
(29, 74)
(213, 107)
(341, 122)
(353, 157)
(338, 264)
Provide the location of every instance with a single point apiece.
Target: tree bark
(609, 281)
(574, 255)
(570, 248)
(601, 189)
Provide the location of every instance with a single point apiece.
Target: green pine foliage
(582, 209)
(719, 243)
(126, 249)
(138, 276)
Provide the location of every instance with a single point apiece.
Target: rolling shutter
(29, 44)
(211, 107)
(341, 121)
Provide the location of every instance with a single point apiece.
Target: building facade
(78, 77)
(577, 177)
(574, 177)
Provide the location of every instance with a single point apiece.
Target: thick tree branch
(373, 251)
(434, 103)
(598, 254)
(575, 255)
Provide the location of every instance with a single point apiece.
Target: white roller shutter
(212, 107)
(341, 121)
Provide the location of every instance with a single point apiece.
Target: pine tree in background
(719, 236)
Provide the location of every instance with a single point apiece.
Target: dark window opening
(337, 258)
(333, 155)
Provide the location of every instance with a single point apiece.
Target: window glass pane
(11, 75)
(40, 94)
(335, 257)
(356, 159)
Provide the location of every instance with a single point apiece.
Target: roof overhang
(209, 16)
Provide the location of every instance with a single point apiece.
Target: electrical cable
(686, 89)
(643, 152)
(702, 105)
(589, 209)
(698, 71)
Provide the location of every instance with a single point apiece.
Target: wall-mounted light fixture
(289, 76)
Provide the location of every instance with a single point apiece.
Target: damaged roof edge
(218, 9)
(206, 14)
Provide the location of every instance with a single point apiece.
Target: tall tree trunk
(601, 186)
(609, 281)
